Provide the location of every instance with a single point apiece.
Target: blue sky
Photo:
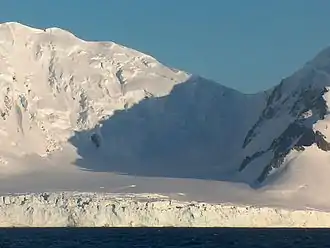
(245, 44)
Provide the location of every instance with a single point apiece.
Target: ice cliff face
(97, 210)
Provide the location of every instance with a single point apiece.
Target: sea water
(163, 237)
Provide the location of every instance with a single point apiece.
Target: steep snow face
(194, 132)
(101, 210)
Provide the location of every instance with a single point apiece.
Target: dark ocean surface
(162, 237)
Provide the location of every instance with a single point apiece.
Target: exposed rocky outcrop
(304, 109)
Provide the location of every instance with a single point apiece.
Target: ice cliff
(105, 210)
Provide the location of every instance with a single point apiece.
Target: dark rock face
(96, 140)
(298, 134)
(307, 137)
(310, 99)
(321, 142)
(269, 112)
(249, 159)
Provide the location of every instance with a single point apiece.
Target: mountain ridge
(124, 112)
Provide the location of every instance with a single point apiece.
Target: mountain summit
(53, 83)
(124, 112)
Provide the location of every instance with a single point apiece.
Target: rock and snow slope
(292, 132)
(76, 113)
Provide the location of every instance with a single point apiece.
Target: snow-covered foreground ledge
(102, 210)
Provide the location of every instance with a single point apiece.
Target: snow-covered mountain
(292, 130)
(53, 83)
(55, 86)
(124, 112)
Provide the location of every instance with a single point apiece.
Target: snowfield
(102, 210)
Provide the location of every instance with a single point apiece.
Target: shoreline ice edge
(71, 209)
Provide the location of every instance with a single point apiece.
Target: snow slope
(97, 116)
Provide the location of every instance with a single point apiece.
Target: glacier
(86, 116)
(74, 209)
